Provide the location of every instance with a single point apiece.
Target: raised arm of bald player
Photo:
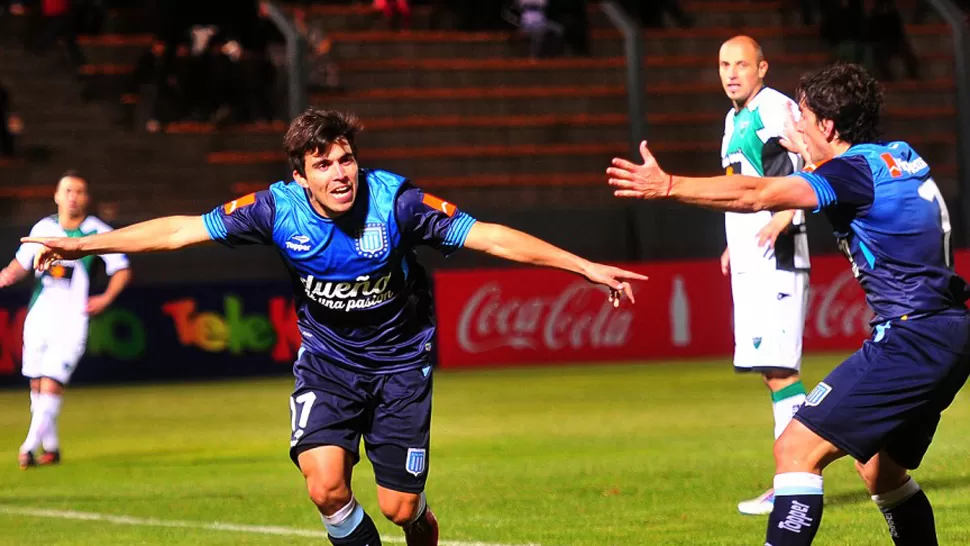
(158, 235)
(735, 193)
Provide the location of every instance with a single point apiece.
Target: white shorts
(769, 319)
(53, 351)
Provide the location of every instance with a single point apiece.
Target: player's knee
(792, 455)
(867, 474)
(777, 379)
(51, 386)
(400, 508)
(880, 479)
(329, 495)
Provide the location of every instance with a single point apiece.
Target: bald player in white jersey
(56, 328)
(767, 253)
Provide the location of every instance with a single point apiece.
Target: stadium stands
(463, 112)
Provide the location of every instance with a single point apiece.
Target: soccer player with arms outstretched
(364, 308)
(882, 405)
(56, 327)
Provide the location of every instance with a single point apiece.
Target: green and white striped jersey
(62, 291)
(751, 146)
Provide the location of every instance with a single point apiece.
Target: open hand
(778, 224)
(54, 249)
(647, 181)
(615, 279)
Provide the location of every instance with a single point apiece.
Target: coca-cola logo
(578, 317)
(838, 309)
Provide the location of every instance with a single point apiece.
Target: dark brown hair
(846, 94)
(315, 129)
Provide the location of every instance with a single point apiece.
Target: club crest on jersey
(372, 240)
(416, 461)
(818, 394)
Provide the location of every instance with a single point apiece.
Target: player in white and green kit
(767, 254)
(56, 328)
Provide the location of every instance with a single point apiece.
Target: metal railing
(957, 19)
(633, 49)
(296, 60)
(638, 216)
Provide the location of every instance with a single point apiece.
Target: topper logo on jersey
(298, 243)
(898, 166)
(361, 293)
(371, 240)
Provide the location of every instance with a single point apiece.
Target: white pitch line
(210, 526)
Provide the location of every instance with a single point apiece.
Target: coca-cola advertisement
(534, 316)
(504, 317)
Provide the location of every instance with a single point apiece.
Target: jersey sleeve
(113, 263)
(843, 181)
(27, 251)
(244, 221)
(427, 220)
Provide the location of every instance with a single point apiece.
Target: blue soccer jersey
(892, 224)
(362, 299)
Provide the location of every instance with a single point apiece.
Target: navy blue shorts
(888, 396)
(335, 406)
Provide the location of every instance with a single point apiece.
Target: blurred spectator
(532, 20)
(209, 61)
(10, 124)
(887, 34)
(165, 98)
(13, 7)
(59, 24)
(397, 13)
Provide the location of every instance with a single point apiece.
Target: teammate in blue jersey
(882, 405)
(364, 308)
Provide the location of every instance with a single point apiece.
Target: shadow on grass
(928, 484)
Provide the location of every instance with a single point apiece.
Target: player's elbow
(773, 195)
(185, 231)
(486, 237)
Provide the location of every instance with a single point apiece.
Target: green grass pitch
(654, 454)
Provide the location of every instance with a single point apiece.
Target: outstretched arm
(160, 234)
(12, 274)
(729, 193)
(504, 242)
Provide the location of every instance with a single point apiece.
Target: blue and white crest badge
(818, 394)
(417, 461)
(371, 241)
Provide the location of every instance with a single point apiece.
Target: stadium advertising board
(175, 331)
(499, 317)
(524, 316)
